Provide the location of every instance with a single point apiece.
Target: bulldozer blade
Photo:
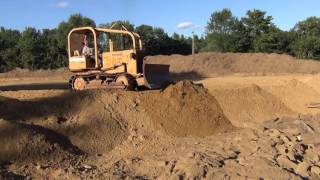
(156, 76)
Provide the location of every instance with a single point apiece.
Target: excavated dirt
(25, 73)
(93, 122)
(250, 105)
(208, 64)
(250, 120)
(185, 109)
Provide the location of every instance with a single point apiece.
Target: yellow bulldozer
(111, 58)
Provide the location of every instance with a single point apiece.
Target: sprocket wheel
(79, 84)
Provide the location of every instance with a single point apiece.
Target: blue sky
(167, 14)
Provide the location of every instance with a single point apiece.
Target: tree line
(255, 32)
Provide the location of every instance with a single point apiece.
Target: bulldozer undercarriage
(79, 82)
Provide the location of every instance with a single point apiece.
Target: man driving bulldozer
(86, 50)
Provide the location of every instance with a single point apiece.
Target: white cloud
(62, 4)
(185, 25)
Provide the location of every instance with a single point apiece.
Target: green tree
(257, 24)
(118, 25)
(220, 32)
(241, 38)
(30, 49)
(219, 42)
(221, 22)
(157, 41)
(307, 42)
(310, 26)
(53, 57)
(8, 49)
(275, 41)
(307, 47)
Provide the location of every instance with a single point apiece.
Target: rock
(232, 155)
(243, 161)
(299, 138)
(134, 132)
(274, 133)
(272, 143)
(315, 170)
(85, 166)
(130, 137)
(291, 155)
(280, 142)
(284, 162)
(143, 137)
(285, 138)
(302, 169)
(299, 148)
(282, 149)
(312, 155)
(190, 154)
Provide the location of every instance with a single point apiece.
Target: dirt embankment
(208, 64)
(21, 74)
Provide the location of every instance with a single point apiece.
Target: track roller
(127, 81)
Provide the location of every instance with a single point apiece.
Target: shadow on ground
(34, 86)
(29, 128)
(190, 75)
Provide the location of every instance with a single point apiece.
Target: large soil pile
(246, 106)
(207, 64)
(97, 121)
(186, 109)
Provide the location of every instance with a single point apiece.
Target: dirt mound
(249, 105)
(92, 127)
(79, 118)
(23, 142)
(186, 109)
(99, 120)
(206, 64)
(296, 95)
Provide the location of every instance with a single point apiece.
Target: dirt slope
(251, 104)
(296, 95)
(25, 73)
(186, 109)
(208, 64)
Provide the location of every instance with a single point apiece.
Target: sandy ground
(235, 126)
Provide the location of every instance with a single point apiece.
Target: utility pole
(192, 42)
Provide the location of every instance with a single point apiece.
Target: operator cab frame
(101, 55)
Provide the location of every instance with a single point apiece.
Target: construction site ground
(228, 116)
